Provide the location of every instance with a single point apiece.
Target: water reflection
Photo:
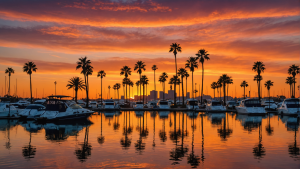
(84, 150)
(108, 139)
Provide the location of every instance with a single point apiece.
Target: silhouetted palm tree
(244, 84)
(130, 84)
(175, 48)
(154, 67)
(290, 81)
(220, 84)
(214, 85)
(258, 67)
(294, 70)
(229, 81)
(140, 67)
(87, 70)
(109, 91)
(268, 85)
(144, 80)
(118, 86)
(137, 83)
(126, 71)
(29, 68)
(174, 81)
(191, 63)
(258, 79)
(182, 72)
(162, 79)
(224, 79)
(186, 76)
(202, 55)
(101, 74)
(9, 71)
(76, 83)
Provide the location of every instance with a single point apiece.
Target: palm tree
(191, 63)
(162, 79)
(29, 68)
(118, 86)
(202, 55)
(290, 81)
(154, 67)
(258, 67)
(214, 85)
(229, 81)
(175, 48)
(174, 81)
(182, 72)
(9, 70)
(109, 91)
(244, 84)
(294, 70)
(268, 85)
(101, 74)
(126, 71)
(224, 79)
(144, 81)
(87, 70)
(137, 83)
(219, 82)
(186, 75)
(76, 83)
(140, 67)
(258, 78)
(130, 83)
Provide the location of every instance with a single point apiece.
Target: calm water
(153, 140)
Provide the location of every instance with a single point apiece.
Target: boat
(138, 105)
(163, 105)
(109, 105)
(58, 109)
(269, 104)
(8, 110)
(42, 101)
(250, 107)
(152, 104)
(290, 107)
(93, 104)
(192, 104)
(81, 103)
(215, 105)
(32, 111)
(21, 104)
(231, 104)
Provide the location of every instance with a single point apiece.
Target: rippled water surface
(153, 140)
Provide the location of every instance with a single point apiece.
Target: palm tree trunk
(244, 92)
(227, 91)
(129, 94)
(193, 84)
(294, 95)
(182, 91)
(140, 86)
(146, 92)
(9, 85)
(214, 92)
(175, 83)
(143, 94)
(154, 87)
(101, 91)
(87, 90)
(30, 90)
(202, 82)
(186, 86)
(224, 90)
(126, 98)
(164, 90)
(76, 95)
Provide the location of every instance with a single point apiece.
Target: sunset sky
(114, 33)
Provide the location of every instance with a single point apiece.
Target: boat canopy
(252, 103)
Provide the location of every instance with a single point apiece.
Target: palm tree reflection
(225, 131)
(116, 122)
(101, 138)
(162, 133)
(125, 141)
(193, 159)
(259, 151)
(84, 151)
(29, 150)
(269, 128)
(293, 148)
(139, 145)
(153, 115)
